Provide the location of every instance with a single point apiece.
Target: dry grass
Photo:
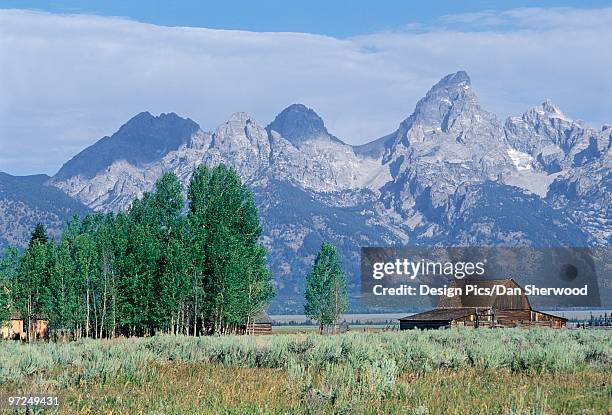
(188, 389)
(452, 372)
(212, 389)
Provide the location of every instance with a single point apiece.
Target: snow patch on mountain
(522, 161)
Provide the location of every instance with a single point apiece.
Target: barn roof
(551, 315)
(484, 301)
(261, 317)
(441, 314)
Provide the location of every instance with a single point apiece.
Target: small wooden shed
(16, 328)
(260, 324)
(40, 328)
(483, 310)
(12, 329)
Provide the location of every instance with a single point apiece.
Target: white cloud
(66, 81)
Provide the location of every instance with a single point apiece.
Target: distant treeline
(166, 265)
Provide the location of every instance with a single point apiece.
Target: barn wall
(258, 329)
(513, 315)
(41, 328)
(15, 329)
(262, 328)
(556, 322)
(512, 302)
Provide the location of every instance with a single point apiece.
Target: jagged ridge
(451, 173)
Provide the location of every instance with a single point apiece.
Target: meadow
(457, 371)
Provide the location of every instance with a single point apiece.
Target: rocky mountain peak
(459, 79)
(548, 107)
(143, 139)
(445, 177)
(451, 89)
(553, 139)
(240, 126)
(448, 141)
(450, 113)
(148, 122)
(547, 112)
(244, 141)
(140, 118)
(298, 123)
(450, 106)
(240, 117)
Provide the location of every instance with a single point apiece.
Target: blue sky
(340, 18)
(73, 72)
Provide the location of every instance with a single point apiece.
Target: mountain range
(451, 173)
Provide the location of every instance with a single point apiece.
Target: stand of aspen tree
(167, 265)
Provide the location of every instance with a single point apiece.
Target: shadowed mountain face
(298, 123)
(575, 158)
(141, 140)
(26, 201)
(450, 174)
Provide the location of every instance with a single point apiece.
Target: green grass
(459, 371)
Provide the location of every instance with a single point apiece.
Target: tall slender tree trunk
(95, 313)
(195, 315)
(114, 300)
(29, 328)
(104, 294)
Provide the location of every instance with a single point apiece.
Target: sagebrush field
(458, 371)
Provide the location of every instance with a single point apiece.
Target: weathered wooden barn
(16, 328)
(482, 310)
(260, 324)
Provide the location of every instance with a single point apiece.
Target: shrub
(353, 355)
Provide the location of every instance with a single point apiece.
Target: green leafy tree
(86, 261)
(224, 224)
(140, 268)
(31, 289)
(65, 291)
(177, 280)
(67, 282)
(105, 285)
(122, 259)
(9, 269)
(325, 292)
(259, 289)
(171, 265)
(150, 269)
(199, 197)
(39, 235)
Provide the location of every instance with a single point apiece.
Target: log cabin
(468, 310)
